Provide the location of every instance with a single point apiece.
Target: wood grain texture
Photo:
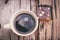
(51, 29)
(45, 2)
(46, 32)
(58, 18)
(54, 22)
(1, 34)
(15, 4)
(5, 14)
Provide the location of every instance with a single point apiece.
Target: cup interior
(24, 23)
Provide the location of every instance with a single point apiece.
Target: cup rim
(20, 12)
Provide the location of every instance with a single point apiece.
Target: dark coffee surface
(24, 23)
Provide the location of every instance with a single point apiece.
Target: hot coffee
(24, 23)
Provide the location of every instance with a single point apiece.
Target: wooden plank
(27, 4)
(1, 34)
(42, 31)
(33, 5)
(15, 4)
(21, 38)
(45, 2)
(46, 32)
(32, 37)
(49, 25)
(13, 36)
(5, 14)
(1, 7)
(54, 30)
(58, 19)
(23, 4)
(0, 28)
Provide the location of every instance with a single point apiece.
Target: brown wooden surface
(51, 29)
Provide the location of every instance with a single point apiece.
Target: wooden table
(51, 29)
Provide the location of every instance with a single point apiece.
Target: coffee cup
(23, 22)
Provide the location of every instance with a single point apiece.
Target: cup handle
(7, 26)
